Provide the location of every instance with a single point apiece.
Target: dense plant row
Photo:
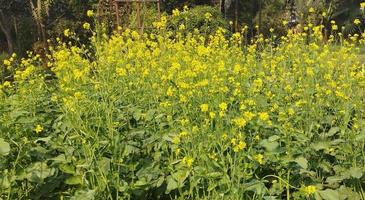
(178, 115)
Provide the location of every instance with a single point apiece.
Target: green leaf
(180, 176)
(356, 172)
(334, 179)
(256, 186)
(269, 146)
(329, 194)
(38, 172)
(104, 165)
(84, 195)
(59, 159)
(171, 184)
(348, 193)
(302, 162)
(273, 138)
(360, 137)
(4, 148)
(333, 131)
(214, 175)
(160, 181)
(74, 180)
(67, 168)
(320, 145)
(4, 182)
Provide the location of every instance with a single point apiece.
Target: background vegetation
(26, 25)
(190, 109)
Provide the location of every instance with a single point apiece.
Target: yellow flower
(86, 26)
(208, 15)
(188, 161)
(357, 22)
(240, 122)
(177, 151)
(264, 116)
(66, 32)
(241, 145)
(183, 99)
(38, 129)
(212, 115)
(362, 6)
(183, 134)
(7, 84)
(233, 141)
(259, 158)
(7, 63)
(310, 71)
(176, 140)
(248, 115)
(291, 111)
(121, 71)
(170, 92)
(334, 27)
(311, 10)
(175, 12)
(182, 27)
(308, 190)
(90, 13)
(223, 106)
(204, 107)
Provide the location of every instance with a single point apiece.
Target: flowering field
(182, 116)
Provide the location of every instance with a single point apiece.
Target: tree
(10, 13)
(40, 11)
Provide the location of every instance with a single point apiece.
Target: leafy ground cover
(173, 116)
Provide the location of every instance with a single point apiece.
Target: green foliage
(188, 117)
(206, 19)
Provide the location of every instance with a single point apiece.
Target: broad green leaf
(4, 182)
(38, 172)
(160, 181)
(171, 184)
(360, 137)
(67, 168)
(348, 193)
(214, 175)
(74, 180)
(356, 172)
(140, 183)
(269, 146)
(301, 161)
(256, 186)
(329, 194)
(320, 145)
(273, 138)
(84, 195)
(333, 131)
(104, 165)
(59, 159)
(4, 148)
(180, 176)
(334, 179)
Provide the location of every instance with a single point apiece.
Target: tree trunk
(260, 17)
(6, 29)
(236, 16)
